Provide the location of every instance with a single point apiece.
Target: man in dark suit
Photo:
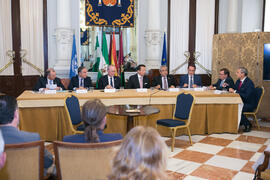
(109, 81)
(245, 88)
(224, 82)
(9, 121)
(49, 79)
(190, 80)
(164, 81)
(139, 80)
(80, 81)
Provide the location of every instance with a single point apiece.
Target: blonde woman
(143, 155)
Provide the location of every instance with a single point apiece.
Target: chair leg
(189, 135)
(256, 120)
(173, 139)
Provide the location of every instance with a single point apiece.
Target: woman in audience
(94, 118)
(143, 155)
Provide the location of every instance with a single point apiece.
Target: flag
(164, 52)
(110, 50)
(74, 62)
(121, 60)
(113, 55)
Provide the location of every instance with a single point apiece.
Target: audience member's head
(9, 114)
(2, 153)
(143, 155)
(191, 69)
(50, 74)
(111, 70)
(224, 73)
(163, 70)
(94, 118)
(141, 70)
(241, 72)
(82, 71)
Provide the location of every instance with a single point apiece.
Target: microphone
(152, 95)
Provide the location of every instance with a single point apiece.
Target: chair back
(84, 160)
(258, 93)
(24, 161)
(73, 107)
(183, 106)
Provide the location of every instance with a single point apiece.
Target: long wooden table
(213, 113)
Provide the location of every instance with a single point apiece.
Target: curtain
(5, 36)
(179, 34)
(205, 22)
(32, 35)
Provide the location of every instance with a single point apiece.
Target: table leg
(130, 123)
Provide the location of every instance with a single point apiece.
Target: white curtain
(32, 34)
(5, 36)
(205, 22)
(179, 34)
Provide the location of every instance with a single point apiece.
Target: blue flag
(74, 62)
(164, 52)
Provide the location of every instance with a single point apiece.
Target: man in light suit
(109, 81)
(80, 81)
(9, 121)
(50, 79)
(164, 81)
(224, 82)
(245, 88)
(139, 80)
(190, 80)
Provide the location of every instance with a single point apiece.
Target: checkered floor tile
(218, 156)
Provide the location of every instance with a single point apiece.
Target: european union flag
(74, 62)
(164, 52)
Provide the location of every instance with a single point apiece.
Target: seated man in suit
(49, 79)
(139, 80)
(224, 82)
(164, 81)
(245, 88)
(9, 121)
(190, 80)
(2, 153)
(109, 81)
(80, 81)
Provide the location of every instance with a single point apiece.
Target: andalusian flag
(164, 52)
(113, 55)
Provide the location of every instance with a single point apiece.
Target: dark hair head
(8, 106)
(93, 113)
(80, 69)
(191, 65)
(139, 67)
(226, 71)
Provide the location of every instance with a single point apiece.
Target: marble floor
(218, 156)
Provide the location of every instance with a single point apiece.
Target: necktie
(165, 83)
(191, 82)
(51, 82)
(239, 86)
(221, 83)
(111, 81)
(141, 82)
(81, 83)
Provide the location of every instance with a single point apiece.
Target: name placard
(50, 92)
(173, 89)
(142, 90)
(218, 92)
(81, 91)
(109, 90)
(198, 89)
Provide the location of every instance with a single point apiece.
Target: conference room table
(213, 112)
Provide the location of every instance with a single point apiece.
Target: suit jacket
(246, 92)
(12, 135)
(184, 80)
(103, 82)
(80, 138)
(74, 82)
(158, 81)
(133, 82)
(228, 80)
(42, 81)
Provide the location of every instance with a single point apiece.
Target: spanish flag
(113, 55)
